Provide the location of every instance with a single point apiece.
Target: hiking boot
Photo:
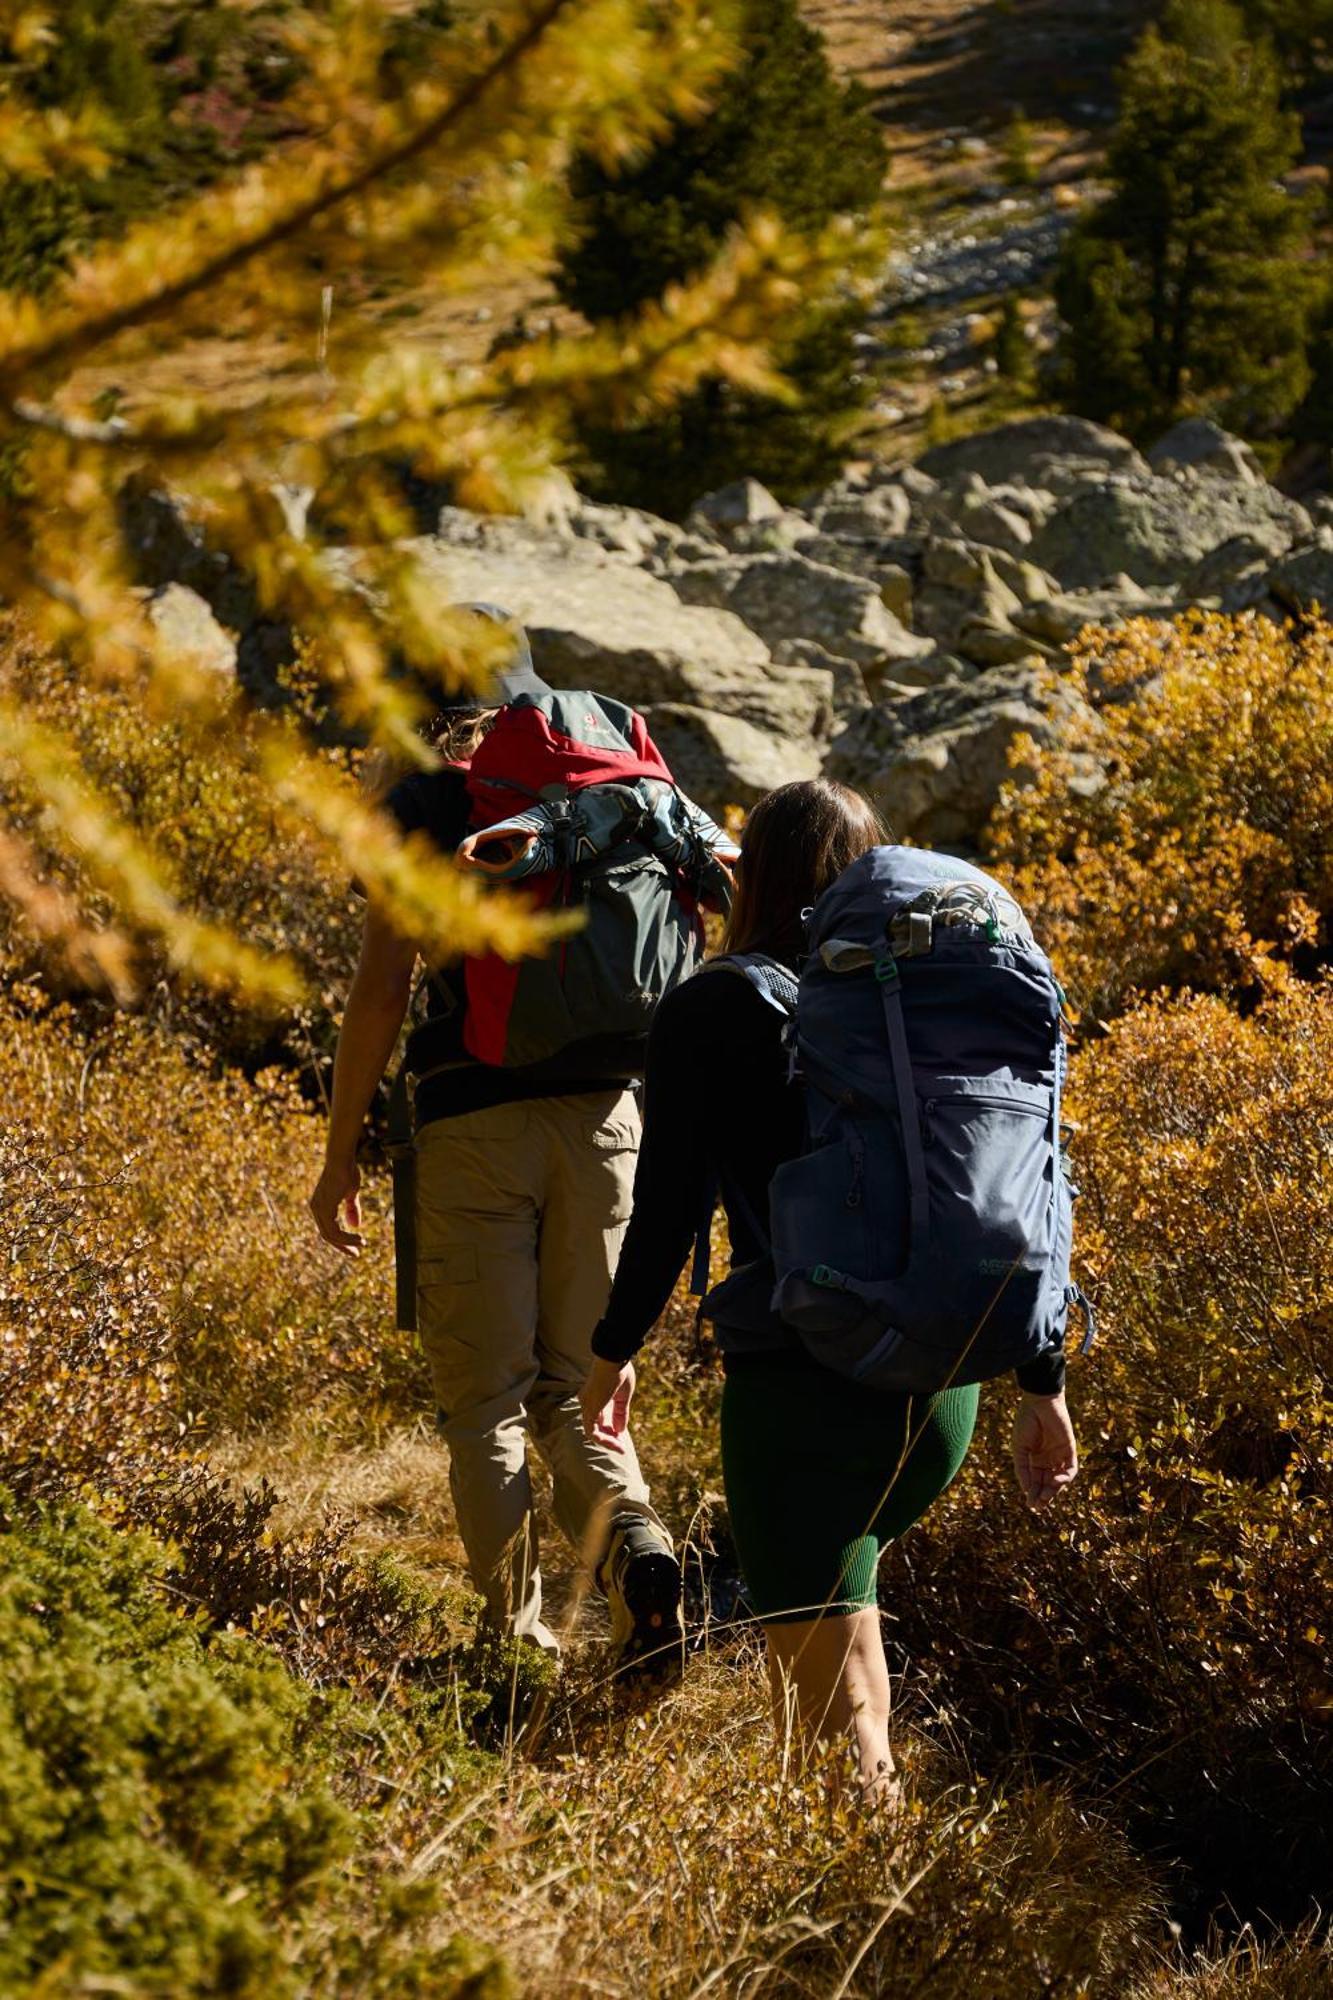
(640, 1579)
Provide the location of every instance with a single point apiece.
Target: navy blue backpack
(923, 1237)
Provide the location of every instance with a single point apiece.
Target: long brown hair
(796, 841)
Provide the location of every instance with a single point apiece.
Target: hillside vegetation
(347, 1758)
(252, 1740)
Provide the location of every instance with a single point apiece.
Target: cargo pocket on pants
(447, 1316)
(615, 1144)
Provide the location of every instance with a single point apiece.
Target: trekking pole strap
(891, 988)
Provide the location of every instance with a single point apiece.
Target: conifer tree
(416, 154)
(1301, 30)
(1188, 289)
(785, 134)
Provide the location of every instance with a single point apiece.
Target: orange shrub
(1168, 1630)
(235, 855)
(1209, 849)
(195, 1185)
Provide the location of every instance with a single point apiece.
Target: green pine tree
(1013, 350)
(1301, 30)
(785, 135)
(1189, 288)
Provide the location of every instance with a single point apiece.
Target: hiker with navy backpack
(515, 1124)
(869, 1079)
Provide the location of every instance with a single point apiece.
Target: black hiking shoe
(641, 1580)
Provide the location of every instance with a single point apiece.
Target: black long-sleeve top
(718, 1110)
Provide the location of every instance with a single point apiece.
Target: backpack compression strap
(891, 988)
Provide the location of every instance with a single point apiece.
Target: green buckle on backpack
(886, 971)
(824, 1274)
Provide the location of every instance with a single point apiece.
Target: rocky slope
(900, 630)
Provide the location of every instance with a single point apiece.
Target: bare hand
(1045, 1449)
(605, 1399)
(336, 1206)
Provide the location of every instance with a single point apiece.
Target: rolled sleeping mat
(511, 849)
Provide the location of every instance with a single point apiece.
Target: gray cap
(520, 677)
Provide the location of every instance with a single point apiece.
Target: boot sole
(652, 1594)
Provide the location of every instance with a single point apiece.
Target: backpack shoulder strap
(777, 986)
(770, 978)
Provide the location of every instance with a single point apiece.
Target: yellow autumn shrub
(237, 858)
(1169, 1633)
(1206, 856)
(172, 1198)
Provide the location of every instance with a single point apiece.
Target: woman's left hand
(605, 1400)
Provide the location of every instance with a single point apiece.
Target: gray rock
(1303, 580)
(885, 564)
(626, 531)
(1034, 503)
(915, 481)
(1230, 573)
(986, 519)
(1029, 583)
(1156, 530)
(187, 627)
(849, 683)
(722, 760)
(596, 622)
(878, 511)
(1002, 518)
(168, 544)
(993, 642)
(1058, 619)
(1034, 451)
(788, 597)
(739, 505)
(955, 564)
(962, 590)
(1196, 444)
(774, 535)
(935, 669)
(936, 764)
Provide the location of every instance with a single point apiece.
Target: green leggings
(822, 1474)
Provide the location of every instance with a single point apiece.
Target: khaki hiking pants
(521, 1210)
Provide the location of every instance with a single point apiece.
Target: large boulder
(1058, 619)
(966, 604)
(863, 513)
(849, 683)
(742, 504)
(167, 545)
(722, 760)
(1155, 530)
(1053, 452)
(1196, 444)
(1303, 580)
(627, 532)
(788, 597)
(594, 621)
(936, 763)
(888, 565)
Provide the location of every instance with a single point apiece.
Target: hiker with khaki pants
(521, 1210)
(520, 1127)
